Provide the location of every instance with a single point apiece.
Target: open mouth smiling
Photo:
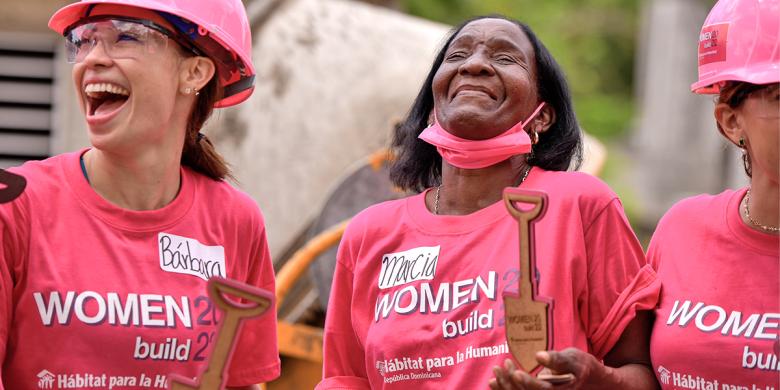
(104, 98)
(472, 89)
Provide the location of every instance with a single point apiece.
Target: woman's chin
(471, 119)
(473, 128)
(107, 142)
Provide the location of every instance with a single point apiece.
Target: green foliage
(593, 40)
(617, 174)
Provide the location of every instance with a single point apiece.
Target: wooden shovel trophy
(215, 375)
(528, 317)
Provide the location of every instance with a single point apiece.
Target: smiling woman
(736, 232)
(494, 112)
(561, 148)
(144, 214)
(116, 86)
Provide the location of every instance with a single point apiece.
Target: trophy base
(556, 379)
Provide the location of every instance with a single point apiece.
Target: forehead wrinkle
(501, 42)
(462, 38)
(496, 40)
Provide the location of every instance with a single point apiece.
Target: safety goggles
(122, 37)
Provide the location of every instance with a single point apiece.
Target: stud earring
(196, 92)
(742, 142)
(187, 91)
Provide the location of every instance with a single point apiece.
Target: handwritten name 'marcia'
(408, 266)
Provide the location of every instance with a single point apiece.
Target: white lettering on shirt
(711, 318)
(449, 296)
(150, 310)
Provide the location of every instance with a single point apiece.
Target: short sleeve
(619, 280)
(654, 251)
(344, 357)
(659, 241)
(256, 357)
(6, 285)
(14, 237)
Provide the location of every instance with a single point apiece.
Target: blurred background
(335, 76)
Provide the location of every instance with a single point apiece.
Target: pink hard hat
(740, 41)
(219, 28)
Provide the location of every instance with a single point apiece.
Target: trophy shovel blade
(526, 329)
(527, 317)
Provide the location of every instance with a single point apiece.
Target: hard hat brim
(72, 13)
(766, 73)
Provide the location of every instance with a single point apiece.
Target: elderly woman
(718, 256)
(416, 298)
(106, 254)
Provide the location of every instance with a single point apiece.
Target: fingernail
(543, 356)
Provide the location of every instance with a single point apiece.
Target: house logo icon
(664, 375)
(381, 367)
(45, 379)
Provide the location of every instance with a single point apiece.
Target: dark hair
(199, 153)
(417, 164)
(734, 93)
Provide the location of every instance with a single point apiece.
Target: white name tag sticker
(184, 255)
(408, 266)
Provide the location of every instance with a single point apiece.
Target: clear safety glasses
(121, 38)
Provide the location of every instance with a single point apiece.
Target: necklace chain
(436, 201)
(438, 190)
(770, 229)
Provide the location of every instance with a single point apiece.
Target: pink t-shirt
(95, 296)
(717, 320)
(417, 298)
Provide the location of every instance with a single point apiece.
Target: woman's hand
(587, 370)
(627, 366)
(509, 377)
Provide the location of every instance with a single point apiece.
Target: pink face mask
(475, 154)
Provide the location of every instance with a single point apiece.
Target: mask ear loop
(533, 134)
(533, 115)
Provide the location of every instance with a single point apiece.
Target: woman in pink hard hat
(718, 256)
(106, 254)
